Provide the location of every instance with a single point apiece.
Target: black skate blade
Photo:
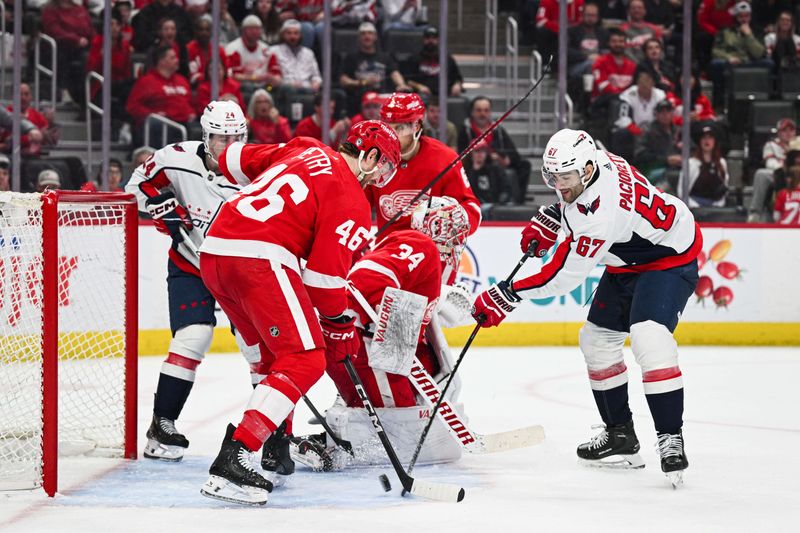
(616, 462)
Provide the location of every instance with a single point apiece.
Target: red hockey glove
(168, 215)
(543, 228)
(492, 305)
(340, 335)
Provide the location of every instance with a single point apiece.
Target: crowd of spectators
(624, 76)
(269, 63)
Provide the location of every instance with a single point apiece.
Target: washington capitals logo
(589, 208)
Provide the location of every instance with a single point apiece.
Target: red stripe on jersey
(665, 263)
(150, 187)
(181, 361)
(662, 374)
(549, 270)
(182, 263)
(610, 372)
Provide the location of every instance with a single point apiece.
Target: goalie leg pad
(402, 425)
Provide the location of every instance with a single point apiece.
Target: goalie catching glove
(340, 335)
(168, 215)
(543, 228)
(492, 305)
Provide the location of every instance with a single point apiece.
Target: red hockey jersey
(407, 260)
(303, 202)
(787, 206)
(414, 174)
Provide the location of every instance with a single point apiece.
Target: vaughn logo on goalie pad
(397, 330)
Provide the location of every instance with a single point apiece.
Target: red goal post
(68, 331)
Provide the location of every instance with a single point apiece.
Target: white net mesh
(91, 334)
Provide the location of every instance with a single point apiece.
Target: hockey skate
(163, 441)
(614, 447)
(275, 458)
(233, 477)
(312, 451)
(673, 458)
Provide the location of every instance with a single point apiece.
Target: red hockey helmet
(369, 134)
(403, 107)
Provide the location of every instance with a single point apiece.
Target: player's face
(405, 132)
(218, 143)
(568, 184)
(379, 170)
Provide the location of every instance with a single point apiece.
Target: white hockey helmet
(223, 118)
(445, 221)
(568, 150)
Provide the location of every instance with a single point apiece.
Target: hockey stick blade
(425, 489)
(442, 492)
(511, 440)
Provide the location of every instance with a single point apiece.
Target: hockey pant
(269, 306)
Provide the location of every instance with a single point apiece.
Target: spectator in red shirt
(121, 67)
(311, 125)
(613, 72)
(167, 35)
(50, 133)
(547, 25)
(267, 126)
(787, 201)
(250, 60)
(638, 31)
(227, 87)
(71, 27)
(702, 110)
(712, 16)
(123, 8)
(198, 51)
(161, 91)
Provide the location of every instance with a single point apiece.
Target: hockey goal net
(68, 315)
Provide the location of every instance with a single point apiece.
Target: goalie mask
(445, 221)
(223, 124)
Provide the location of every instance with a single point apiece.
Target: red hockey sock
(253, 430)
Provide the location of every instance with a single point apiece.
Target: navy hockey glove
(543, 228)
(168, 215)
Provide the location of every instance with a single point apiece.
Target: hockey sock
(171, 394)
(667, 410)
(613, 405)
(254, 430)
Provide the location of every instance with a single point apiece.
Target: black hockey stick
(468, 150)
(427, 489)
(341, 443)
(424, 435)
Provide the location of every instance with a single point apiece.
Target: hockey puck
(384, 479)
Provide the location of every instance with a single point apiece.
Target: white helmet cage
(568, 150)
(223, 118)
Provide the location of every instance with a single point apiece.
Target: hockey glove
(168, 215)
(340, 335)
(543, 228)
(492, 305)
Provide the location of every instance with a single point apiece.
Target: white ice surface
(742, 438)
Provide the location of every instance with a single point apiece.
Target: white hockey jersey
(181, 168)
(622, 221)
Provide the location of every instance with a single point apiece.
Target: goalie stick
(468, 150)
(529, 253)
(471, 441)
(444, 492)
